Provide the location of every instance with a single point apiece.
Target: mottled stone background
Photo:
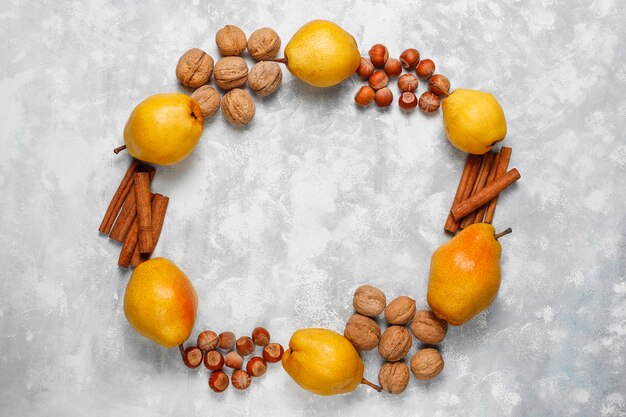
(276, 224)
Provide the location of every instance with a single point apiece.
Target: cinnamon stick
(144, 219)
(128, 213)
(466, 183)
(128, 248)
(480, 213)
(159, 207)
(118, 198)
(503, 164)
(483, 196)
(485, 167)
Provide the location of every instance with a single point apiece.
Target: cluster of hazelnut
(206, 351)
(378, 79)
(195, 68)
(396, 341)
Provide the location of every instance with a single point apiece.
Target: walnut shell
(394, 377)
(238, 107)
(362, 332)
(231, 40)
(369, 301)
(194, 68)
(209, 100)
(264, 43)
(428, 328)
(395, 343)
(231, 72)
(400, 311)
(426, 364)
(265, 77)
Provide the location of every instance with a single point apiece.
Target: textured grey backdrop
(277, 223)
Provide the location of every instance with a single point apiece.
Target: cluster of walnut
(195, 68)
(396, 341)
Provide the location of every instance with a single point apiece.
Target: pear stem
(182, 351)
(279, 60)
(502, 233)
(119, 149)
(369, 384)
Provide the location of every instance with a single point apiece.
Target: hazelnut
(208, 340)
(379, 55)
(218, 381)
(209, 100)
(264, 43)
(245, 346)
(383, 97)
(426, 364)
(194, 68)
(265, 77)
(233, 360)
(241, 379)
(213, 360)
(256, 366)
(273, 352)
(369, 301)
(226, 340)
(365, 69)
(362, 332)
(364, 96)
(425, 69)
(410, 58)
(238, 107)
(428, 328)
(407, 83)
(407, 101)
(260, 336)
(429, 102)
(401, 310)
(231, 72)
(378, 80)
(395, 343)
(231, 40)
(393, 68)
(394, 377)
(439, 85)
(192, 357)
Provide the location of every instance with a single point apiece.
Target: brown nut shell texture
(231, 40)
(400, 311)
(194, 68)
(362, 332)
(209, 100)
(394, 377)
(428, 328)
(264, 43)
(369, 301)
(395, 343)
(265, 77)
(238, 107)
(231, 72)
(426, 364)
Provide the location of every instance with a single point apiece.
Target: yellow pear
(160, 302)
(164, 128)
(474, 120)
(465, 274)
(322, 54)
(324, 362)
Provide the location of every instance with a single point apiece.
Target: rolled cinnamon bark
(144, 218)
(118, 198)
(128, 213)
(485, 167)
(466, 183)
(503, 164)
(159, 207)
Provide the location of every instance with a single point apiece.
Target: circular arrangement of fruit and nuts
(160, 301)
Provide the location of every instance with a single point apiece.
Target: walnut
(362, 332)
(426, 364)
(395, 343)
(264, 43)
(400, 310)
(231, 72)
(369, 301)
(194, 68)
(209, 100)
(238, 107)
(394, 377)
(265, 77)
(231, 40)
(428, 328)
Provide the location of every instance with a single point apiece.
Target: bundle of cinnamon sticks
(483, 178)
(135, 215)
